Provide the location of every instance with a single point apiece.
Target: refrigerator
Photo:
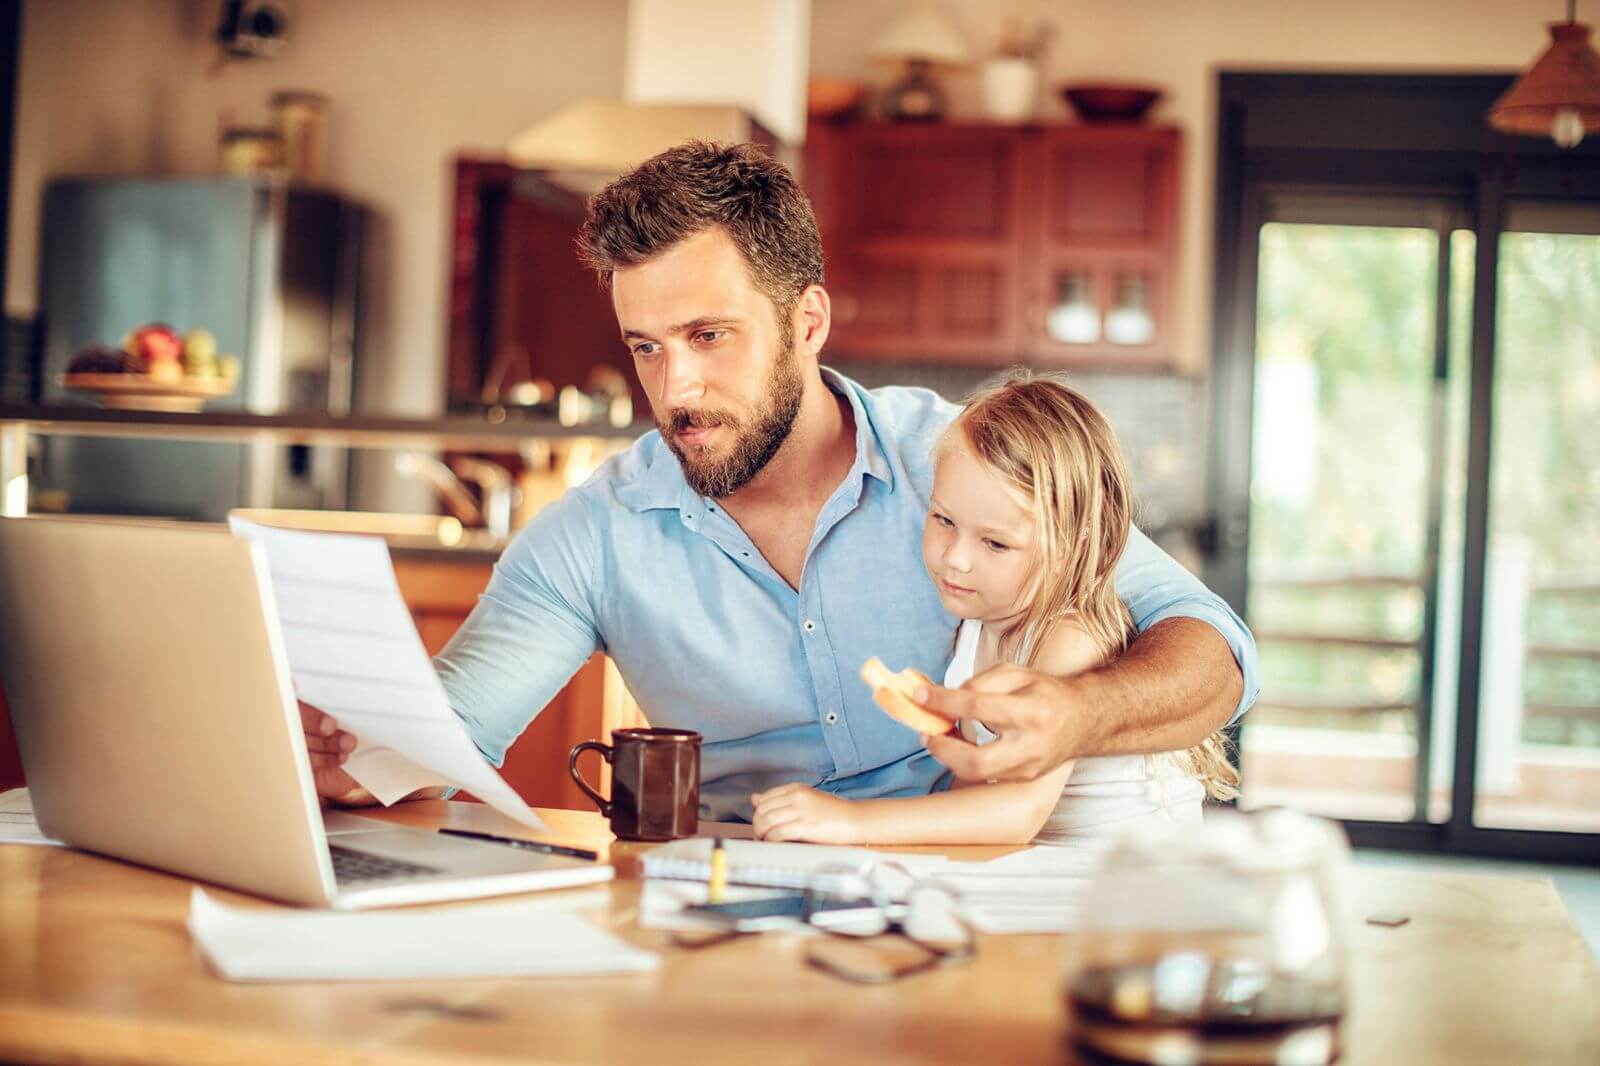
(273, 270)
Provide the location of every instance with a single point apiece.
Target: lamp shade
(926, 35)
(1563, 83)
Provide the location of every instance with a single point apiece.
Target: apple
(166, 370)
(157, 343)
(199, 346)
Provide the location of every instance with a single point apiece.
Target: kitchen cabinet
(522, 306)
(440, 595)
(973, 244)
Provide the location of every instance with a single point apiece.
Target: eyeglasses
(910, 926)
(877, 924)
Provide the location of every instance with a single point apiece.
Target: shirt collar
(661, 483)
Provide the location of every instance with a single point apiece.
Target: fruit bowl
(141, 392)
(1110, 103)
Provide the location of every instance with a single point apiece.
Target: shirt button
(810, 626)
(830, 717)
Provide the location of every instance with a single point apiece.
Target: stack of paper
(354, 653)
(527, 938)
(17, 823)
(1036, 890)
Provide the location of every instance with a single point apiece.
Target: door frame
(1274, 132)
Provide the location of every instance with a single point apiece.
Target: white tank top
(1106, 794)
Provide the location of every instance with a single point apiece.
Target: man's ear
(813, 318)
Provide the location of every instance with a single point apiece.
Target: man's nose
(682, 383)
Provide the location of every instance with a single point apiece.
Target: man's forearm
(1176, 684)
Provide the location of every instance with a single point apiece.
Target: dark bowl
(1110, 103)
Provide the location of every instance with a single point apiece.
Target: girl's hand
(795, 812)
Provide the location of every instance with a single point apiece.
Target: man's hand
(1040, 720)
(330, 748)
(795, 812)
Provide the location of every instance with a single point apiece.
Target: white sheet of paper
(355, 654)
(1035, 890)
(17, 823)
(526, 938)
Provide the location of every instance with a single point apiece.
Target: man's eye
(709, 336)
(644, 351)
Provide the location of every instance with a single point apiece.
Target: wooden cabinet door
(1105, 204)
(921, 233)
(440, 596)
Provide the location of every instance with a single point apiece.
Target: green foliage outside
(1343, 422)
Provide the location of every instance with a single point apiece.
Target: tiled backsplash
(1160, 421)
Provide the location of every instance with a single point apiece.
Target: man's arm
(1175, 686)
(532, 629)
(1191, 670)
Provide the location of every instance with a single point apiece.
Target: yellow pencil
(718, 883)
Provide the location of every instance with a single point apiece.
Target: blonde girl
(1030, 511)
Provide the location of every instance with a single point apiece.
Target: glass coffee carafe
(1219, 942)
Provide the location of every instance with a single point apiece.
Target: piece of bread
(893, 691)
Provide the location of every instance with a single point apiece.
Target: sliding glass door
(1353, 398)
(1420, 560)
(1539, 681)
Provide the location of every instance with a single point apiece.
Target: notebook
(763, 863)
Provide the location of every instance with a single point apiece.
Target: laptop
(150, 692)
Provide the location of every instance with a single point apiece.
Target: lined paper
(354, 653)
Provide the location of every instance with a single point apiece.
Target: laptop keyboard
(350, 865)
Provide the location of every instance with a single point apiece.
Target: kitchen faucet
(493, 481)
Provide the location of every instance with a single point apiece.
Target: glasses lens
(933, 918)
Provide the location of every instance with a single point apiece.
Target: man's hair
(685, 190)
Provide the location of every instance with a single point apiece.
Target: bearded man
(741, 562)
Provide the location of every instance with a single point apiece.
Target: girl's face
(979, 541)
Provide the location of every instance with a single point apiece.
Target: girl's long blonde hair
(1055, 448)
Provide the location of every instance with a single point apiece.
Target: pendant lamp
(1559, 96)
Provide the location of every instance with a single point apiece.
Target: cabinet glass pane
(1074, 317)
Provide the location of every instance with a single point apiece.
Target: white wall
(113, 86)
(1181, 44)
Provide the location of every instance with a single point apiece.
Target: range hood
(754, 91)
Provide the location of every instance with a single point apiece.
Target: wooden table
(96, 965)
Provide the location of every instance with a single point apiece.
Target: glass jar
(1129, 321)
(301, 122)
(249, 150)
(1074, 319)
(1222, 942)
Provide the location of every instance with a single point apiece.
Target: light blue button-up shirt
(709, 637)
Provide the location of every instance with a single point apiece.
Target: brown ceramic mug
(655, 782)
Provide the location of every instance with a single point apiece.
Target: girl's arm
(980, 814)
(1011, 813)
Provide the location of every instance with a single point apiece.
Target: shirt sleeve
(1156, 587)
(532, 629)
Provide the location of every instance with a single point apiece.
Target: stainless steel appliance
(274, 271)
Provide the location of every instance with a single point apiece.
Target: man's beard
(754, 444)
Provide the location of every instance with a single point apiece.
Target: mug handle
(605, 751)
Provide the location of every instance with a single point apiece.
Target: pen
(717, 883)
(531, 845)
